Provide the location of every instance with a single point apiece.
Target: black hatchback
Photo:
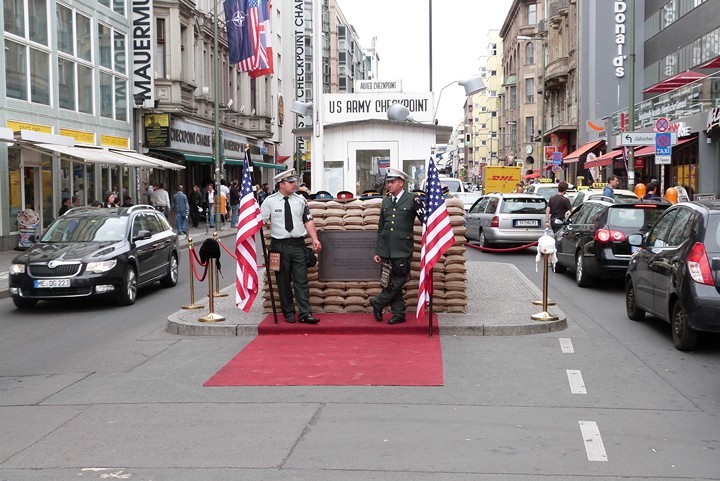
(593, 240)
(89, 252)
(675, 272)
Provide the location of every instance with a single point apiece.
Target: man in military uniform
(290, 220)
(395, 244)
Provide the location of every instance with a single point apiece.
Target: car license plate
(527, 223)
(50, 283)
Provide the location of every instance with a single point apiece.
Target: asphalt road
(96, 392)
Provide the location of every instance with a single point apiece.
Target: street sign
(662, 124)
(663, 160)
(643, 138)
(663, 144)
(557, 158)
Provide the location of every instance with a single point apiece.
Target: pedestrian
(612, 184)
(195, 202)
(76, 200)
(394, 246)
(128, 201)
(234, 204)
(162, 199)
(109, 199)
(225, 194)
(66, 205)
(290, 221)
(651, 191)
(557, 207)
(151, 194)
(210, 204)
(519, 188)
(180, 206)
(263, 193)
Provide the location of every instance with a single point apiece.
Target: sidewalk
(488, 313)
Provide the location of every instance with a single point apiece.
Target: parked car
(506, 219)
(89, 252)
(620, 195)
(467, 198)
(593, 239)
(675, 271)
(547, 189)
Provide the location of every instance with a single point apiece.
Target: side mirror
(635, 240)
(142, 235)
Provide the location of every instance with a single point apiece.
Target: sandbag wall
(449, 274)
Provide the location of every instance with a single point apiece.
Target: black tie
(394, 200)
(288, 215)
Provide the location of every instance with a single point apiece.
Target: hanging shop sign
(142, 53)
(619, 60)
(713, 119)
(157, 130)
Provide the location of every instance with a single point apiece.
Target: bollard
(192, 304)
(548, 302)
(218, 293)
(544, 315)
(211, 317)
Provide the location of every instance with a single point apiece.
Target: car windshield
(547, 192)
(522, 206)
(452, 185)
(640, 218)
(88, 229)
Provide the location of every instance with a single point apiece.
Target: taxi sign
(546, 180)
(599, 185)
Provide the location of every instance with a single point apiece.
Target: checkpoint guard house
(360, 143)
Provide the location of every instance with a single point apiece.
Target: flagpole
(317, 148)
(216, 99)
(430, 301)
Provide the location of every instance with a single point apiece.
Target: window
(681, 230)
(160, 47)
(530, 90)
(513, 97)
(529, 128)
(492, 49)
(113, 73)
(27, 56)
(532, 14)
(658, 236)
(118, 6)
(529, 53)
(75, 70)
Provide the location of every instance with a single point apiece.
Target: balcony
(556, 72)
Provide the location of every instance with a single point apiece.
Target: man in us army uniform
(395, 244)
(290, 220)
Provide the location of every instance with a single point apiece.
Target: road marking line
(593, 442)
(566, 345)
(577, 385)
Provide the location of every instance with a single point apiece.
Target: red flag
(437, 235)
(250, 223)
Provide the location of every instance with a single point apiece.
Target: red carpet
(343, 350)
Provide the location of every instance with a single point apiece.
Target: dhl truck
(499, 178)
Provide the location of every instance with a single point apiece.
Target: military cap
(287, 176)
(323, 195)
(344, 195)
(396, 174)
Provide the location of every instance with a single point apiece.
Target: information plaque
(348, 256)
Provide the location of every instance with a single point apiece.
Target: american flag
(264, 52)
(437, 235)
(250, 223)
(251, 38)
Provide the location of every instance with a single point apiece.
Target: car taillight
(608, 235)
(698, 265)
(495, 222)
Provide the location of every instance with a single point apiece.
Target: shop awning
(575, 155)
(674, 82)
(604, 160)
(159, 163)
(200, 159)
(534, 175)
(95, 155)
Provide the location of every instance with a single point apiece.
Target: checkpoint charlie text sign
(352, 107)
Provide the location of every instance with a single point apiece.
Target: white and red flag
(437, 235)
(249, 223)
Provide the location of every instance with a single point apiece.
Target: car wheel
(483, 240)
(633, 311)
(171, 279)
(581, 277)
(684, 337)
(128, 292)
(22, 303)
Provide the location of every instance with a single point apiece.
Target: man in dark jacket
(234, 204)
(394, 245)
(195, 201)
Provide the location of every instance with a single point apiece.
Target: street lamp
(472, 86)
(543, 37)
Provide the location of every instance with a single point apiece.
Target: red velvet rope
(194, 257)
(226, 250)
(507, 249)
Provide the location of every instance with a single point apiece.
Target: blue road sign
(557, 158)
(663, 144)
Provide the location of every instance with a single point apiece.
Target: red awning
(684, 141)
(282, 158)
(575, 155)
(712, 64)
(674, 82)
(604, 160)
(534, 175)
(644, 151)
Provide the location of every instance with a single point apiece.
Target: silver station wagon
(506, 219)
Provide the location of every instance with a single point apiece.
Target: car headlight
(17, 269)
(102, 266)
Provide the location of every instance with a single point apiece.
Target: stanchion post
(192, 304)
(544, 315)
(545, 301)
(211, 317)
